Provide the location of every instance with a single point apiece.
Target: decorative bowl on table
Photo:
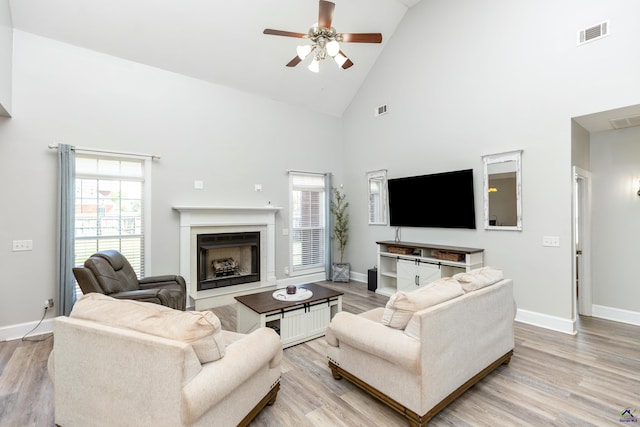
(301, 294)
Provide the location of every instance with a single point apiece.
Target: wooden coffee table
(295, 321)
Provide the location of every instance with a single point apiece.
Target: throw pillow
(201, 329)
(479, 278)
(402, 305)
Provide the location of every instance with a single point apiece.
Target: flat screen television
(441, 200)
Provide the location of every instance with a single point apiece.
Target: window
(110, 208)
(308, 212)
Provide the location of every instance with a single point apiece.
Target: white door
(582, 242)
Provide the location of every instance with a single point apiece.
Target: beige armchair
(108, 272)
(129, 363)
(425, 348)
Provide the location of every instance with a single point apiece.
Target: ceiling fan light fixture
(333, 48)
(340, 59)
(303, 51)
(325, 40)
(314, 66)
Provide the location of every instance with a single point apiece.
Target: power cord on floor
(24, 338)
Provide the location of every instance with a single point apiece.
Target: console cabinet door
(427, 273)
(413, 274)
(407, 275)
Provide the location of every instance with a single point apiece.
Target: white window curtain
(65, 233)
(309, 219)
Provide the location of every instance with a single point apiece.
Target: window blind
(307, 221)
(109, 205)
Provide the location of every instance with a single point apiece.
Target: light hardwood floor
(553, 379)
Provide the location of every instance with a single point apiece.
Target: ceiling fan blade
(295, 61)
(285, 33)
(325, 14)
(347, 63)
(360, 37)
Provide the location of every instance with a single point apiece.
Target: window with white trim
(307, 216)
(111, 207)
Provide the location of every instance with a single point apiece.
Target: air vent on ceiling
(381, 110)
(625, 122)
(593, 33)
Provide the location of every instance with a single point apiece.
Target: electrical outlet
(552, 241)
(48, 303)
(22, 245)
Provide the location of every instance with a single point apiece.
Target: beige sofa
(442, 351)
(129, 363)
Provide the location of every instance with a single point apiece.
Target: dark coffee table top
(264, 302)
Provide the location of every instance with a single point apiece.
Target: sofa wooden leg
(507, 358)
(274, 394)
(334, 371)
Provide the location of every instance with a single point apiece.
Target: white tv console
(405, 266)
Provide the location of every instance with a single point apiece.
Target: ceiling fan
(325, 40)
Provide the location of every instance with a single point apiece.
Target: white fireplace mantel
(194, 218)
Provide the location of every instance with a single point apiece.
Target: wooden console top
(458, 249)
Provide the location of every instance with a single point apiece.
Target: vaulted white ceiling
(222, 42)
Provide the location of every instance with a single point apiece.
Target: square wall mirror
(377, 191)
(502, 191)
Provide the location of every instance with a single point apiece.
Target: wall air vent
(381, 110)
(625, 122)
(593, 33)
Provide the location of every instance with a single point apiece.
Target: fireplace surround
(197, 220)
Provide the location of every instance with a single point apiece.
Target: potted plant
(340, 235)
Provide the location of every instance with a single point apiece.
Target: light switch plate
(551, 241)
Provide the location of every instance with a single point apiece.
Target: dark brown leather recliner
(109, 272)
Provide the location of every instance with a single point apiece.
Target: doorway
(581, 243)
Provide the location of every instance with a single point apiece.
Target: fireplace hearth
(227, 259)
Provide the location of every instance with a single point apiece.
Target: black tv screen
(443, 200)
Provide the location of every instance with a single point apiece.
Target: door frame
(581, 226)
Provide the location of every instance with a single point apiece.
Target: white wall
(229, 139)
(463, 79)
(580, 146)
(615, 165)
(6, 49)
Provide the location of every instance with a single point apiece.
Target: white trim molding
(215, 219)
(546, 321)
(616, 314)
(16, 332)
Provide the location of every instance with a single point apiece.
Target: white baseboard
(301, 280)
(317, 277)
(14, 332)
(546, 321)
(616, 314)
(358, 277)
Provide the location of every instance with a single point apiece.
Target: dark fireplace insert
(227, 259)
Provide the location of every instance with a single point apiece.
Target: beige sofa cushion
(479, 278)
(200, 329)
(402, 305)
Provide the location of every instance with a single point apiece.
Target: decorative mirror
(502, 191)
(377, 189)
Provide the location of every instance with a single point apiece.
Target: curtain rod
(120, 153)
(309, 173)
